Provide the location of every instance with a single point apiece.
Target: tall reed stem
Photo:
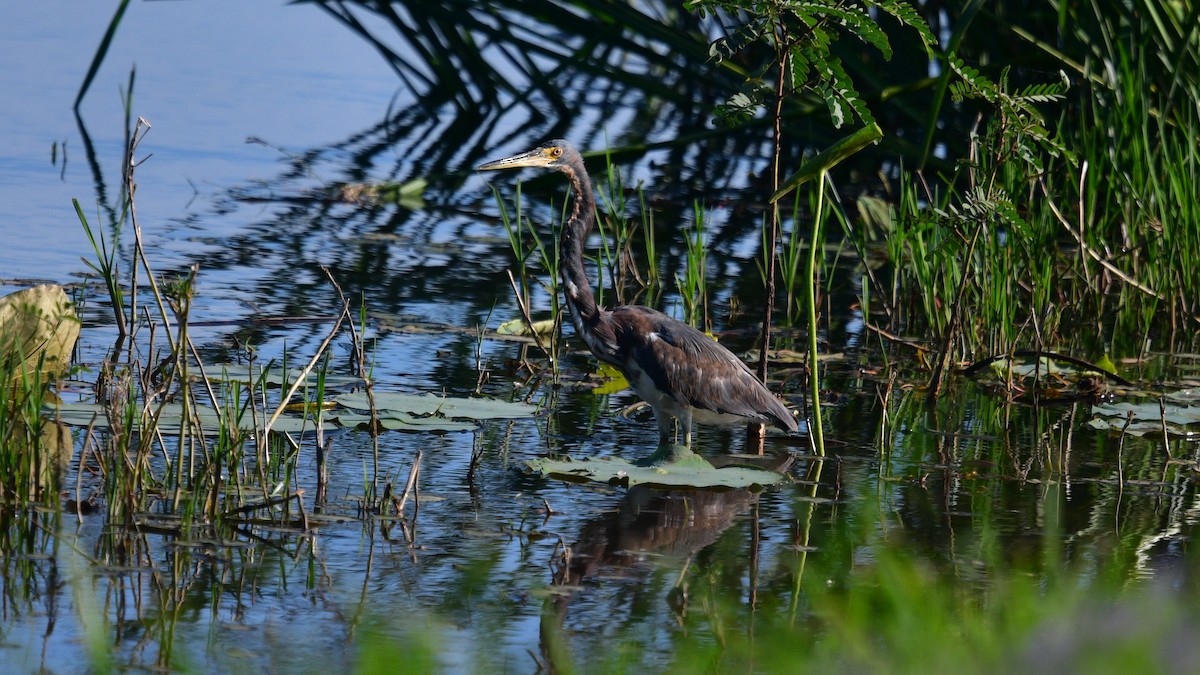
(815, 434)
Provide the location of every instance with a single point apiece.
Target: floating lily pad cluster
(394, 411)
(1177, 413)
(424, 412)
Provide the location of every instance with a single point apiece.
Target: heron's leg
(666, 430)
(685, 425)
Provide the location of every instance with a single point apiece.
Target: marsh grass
(632, 280)
(195, 476)
(38, 332)
(105, 266)
(790, 269)
(649, 239)
(27, 458)
(533, 255)
(1033, 239)
(693, 282)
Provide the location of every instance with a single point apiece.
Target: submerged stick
(359, 352)
(410, 486)
(286, 400)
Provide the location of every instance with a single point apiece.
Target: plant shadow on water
(1019, 521)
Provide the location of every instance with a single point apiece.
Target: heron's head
(557, 154)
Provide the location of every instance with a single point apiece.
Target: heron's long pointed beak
(533, 158)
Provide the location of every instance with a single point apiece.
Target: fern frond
(850, 17)
(1042, 93)
(743, 35)
(808, 55)
(799, 65)
(738, 108)
(974, 84)
(839, 93)
(1031, 154)
(906, 15)
(1007, 213)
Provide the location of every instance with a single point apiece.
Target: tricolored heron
(681, 372)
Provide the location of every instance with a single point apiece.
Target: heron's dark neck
(574, 235)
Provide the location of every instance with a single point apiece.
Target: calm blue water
(209, 75)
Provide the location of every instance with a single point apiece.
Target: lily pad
(171, 418)
(388, 403)
(1026, 364)
(674, 466)
(400, 412)
(1184, 395)
(397, 421)
(519, 327)
(615, 381)
(273, 374)
(1026, 369)
(1145, 417)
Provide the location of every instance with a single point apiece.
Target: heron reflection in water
(681, 372)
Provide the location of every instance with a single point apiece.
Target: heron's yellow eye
(556, 152)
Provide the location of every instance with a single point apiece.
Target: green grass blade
(101, 52)
(829, 158)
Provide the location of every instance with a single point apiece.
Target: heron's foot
(671, 453)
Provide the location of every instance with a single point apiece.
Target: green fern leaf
(746, 34)
(945, 247)
(800, 65)
(1007, 214)
(1031, 153)
(960, 91)
(839, 93)
(906, 15)
(737, 109)
(851, 18)
(1042, 93)
(976, 85)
